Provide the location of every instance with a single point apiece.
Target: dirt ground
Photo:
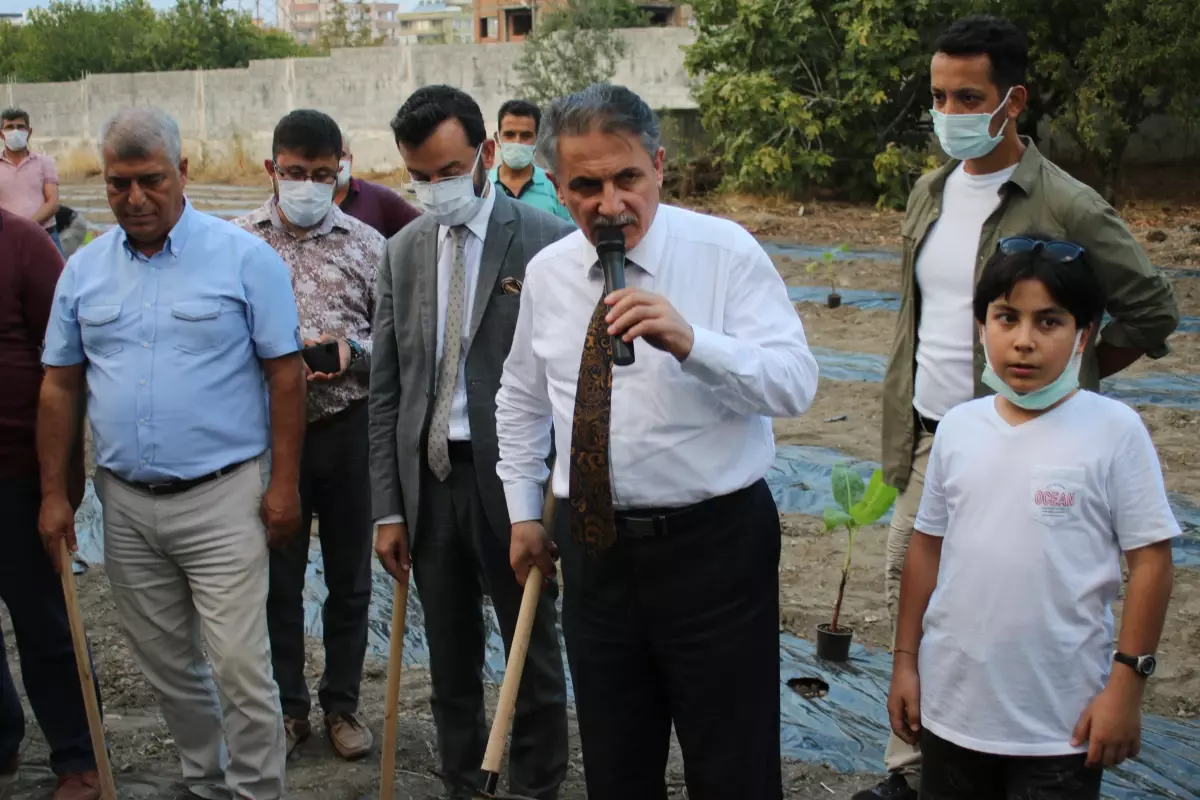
(142, 750)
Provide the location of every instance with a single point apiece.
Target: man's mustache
(618, 221)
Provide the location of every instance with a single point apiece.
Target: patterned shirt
(333, 274)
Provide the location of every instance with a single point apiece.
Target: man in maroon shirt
(29, 585)
(378, 206)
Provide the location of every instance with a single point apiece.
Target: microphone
(610, 247)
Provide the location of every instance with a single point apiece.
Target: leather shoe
(78, 786)
(297, 730)
(894, 787)
(349, 734)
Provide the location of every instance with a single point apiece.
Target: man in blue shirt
(516, 174)
(180, 324)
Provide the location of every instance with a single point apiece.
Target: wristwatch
(1142, 665)
(356, 350)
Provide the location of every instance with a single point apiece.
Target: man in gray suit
(448, 296)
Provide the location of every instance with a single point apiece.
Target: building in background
(513, 20)
(13, 18)
(437, 22)
(304, 18)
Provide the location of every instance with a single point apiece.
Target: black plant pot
(834, 300)
(834, 646)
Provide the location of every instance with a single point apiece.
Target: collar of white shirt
(477, 224)
(649, 251)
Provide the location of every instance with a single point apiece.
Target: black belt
(925, 423)
(646, 523)
(181, 485)
(460, 450)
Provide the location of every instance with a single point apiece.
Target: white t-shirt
(1018, 636)
(946, 279)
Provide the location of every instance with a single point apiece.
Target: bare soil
(143, 752)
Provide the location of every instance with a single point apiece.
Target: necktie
(593, 525)
(439, 425)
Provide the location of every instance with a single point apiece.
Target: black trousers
(458, 558)
(334, 482)
(682, 628)
(950, 772)
(32, 591)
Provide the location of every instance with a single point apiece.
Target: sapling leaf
(836, 518)
(875, 501)
(848, 487)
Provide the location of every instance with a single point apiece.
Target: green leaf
(848, 486)
(836, 518)
(875, 501)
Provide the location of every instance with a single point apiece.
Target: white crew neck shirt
(1018, 635)
(946, 280)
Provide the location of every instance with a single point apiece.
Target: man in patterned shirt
(333, 259)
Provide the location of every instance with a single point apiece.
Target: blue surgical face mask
(305, 203)
(516, 155)
(450, 201)
(1048, 395)
(967, 136)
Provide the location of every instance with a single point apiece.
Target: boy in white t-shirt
(1004, 664)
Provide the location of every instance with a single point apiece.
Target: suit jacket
(404, 357)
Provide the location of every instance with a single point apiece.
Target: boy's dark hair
(430, 106)
(1002, 42)
(1073, 284)
(520, 108)
(308, 132)
(14, 114)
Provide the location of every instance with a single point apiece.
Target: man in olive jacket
(996, 185)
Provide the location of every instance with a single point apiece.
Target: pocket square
(510, 286)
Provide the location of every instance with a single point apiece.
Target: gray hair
(139, 131)
(346, 144)
(600, 106)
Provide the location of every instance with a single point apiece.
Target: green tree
(834, 93)
(70, 39)
(1101, 68)
(347, 29)
(575, 45)
(203, 33)
(806, 93)
(10, 47)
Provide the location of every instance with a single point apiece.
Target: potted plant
(827, 264)
(858, 505)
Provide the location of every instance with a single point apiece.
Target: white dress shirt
(460, 428)
(680, 432)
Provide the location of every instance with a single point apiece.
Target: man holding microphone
(669, 535)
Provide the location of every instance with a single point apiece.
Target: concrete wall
(223, 111)
(229, 114)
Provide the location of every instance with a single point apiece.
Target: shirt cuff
(1116, 334)
(525, 500)
(391, 519)
(712, 355)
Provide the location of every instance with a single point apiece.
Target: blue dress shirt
(172, 346)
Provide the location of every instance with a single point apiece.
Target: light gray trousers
(196, 563)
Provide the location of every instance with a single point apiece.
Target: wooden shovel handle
(512, 672)
(83, 664)
(392, 709)
(520, 647)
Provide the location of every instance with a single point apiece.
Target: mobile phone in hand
(323, 357)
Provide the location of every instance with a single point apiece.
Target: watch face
(1146, 665)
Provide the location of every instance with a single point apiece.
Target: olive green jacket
(1039, 198)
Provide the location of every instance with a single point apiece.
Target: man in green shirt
(996, 185)
(515, 174)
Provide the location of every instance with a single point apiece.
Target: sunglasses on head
(1062, 252)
